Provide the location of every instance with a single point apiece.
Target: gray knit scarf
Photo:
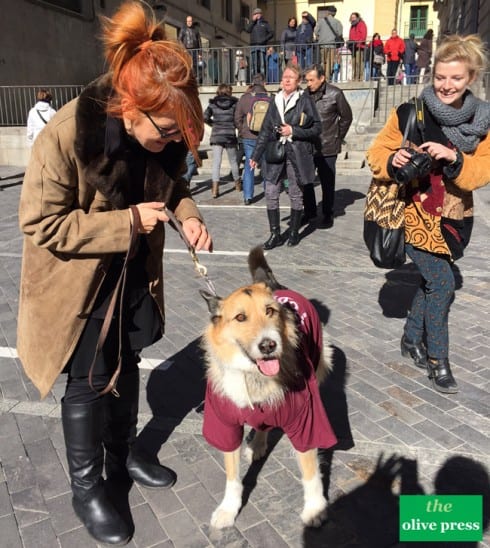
(464, 127)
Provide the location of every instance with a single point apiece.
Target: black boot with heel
(294, 226)
(275, 238)
(123, 458)
(416, 351)
(441, 376)
(83, 425)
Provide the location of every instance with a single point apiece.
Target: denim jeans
(248, 172)
(411, 71)
(191, 167)
(305, 56)
(258, 59)
(429, 311)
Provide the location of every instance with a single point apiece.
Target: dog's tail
(260, 270)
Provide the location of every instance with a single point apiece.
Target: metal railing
(229, 65)
(16, 101)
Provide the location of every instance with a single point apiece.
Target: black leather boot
(441, 376)
(123, 459)
(294, 225)
(416, 351)
(83, 425)
(275, 238)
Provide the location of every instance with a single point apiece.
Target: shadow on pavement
(174, 389)
(368, 516)
(344, 198)
(397, 293)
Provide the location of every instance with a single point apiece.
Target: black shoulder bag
(384, 212)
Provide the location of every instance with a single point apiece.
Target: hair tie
(145, 45)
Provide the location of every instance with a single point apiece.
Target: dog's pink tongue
(268, 367)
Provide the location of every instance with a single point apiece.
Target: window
(418, 21)
(82, 8)
(227, 10)
(205, 3)
(244, 14)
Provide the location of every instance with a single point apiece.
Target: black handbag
(275, 152)
(384, 216)
(384, 224)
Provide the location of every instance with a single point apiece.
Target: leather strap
(117, 298)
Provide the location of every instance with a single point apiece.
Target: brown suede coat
(74, 215)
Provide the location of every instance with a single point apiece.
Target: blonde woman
(439, 204)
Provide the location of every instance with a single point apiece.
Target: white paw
(222, 517)
(314, 512)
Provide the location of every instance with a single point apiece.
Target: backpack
(258, 110)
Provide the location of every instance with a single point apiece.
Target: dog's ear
(213, 302)
(260, 270)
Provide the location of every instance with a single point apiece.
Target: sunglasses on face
(164, 134)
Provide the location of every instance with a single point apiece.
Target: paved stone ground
(397, 434)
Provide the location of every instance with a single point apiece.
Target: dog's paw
(314, 514)
(222, 518)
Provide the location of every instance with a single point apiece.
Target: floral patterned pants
(430, 307)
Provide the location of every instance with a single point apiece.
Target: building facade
(54, 41)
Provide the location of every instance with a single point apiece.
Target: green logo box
(440, 518)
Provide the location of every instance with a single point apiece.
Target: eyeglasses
(164, 134)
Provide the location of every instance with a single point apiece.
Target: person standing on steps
(92, 214)
(293, 120)
(336, 118)
(394, 50)
(220, 115)
(439, 203)
(191, 38)
(260, 34)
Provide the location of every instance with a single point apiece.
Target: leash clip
(199, 268)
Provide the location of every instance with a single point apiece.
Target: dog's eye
(270, 311)
(240, 317)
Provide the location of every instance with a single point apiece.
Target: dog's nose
(267, 346)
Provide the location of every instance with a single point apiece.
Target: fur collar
(109, 173)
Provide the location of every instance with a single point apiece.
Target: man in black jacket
(260, 33)
(336, 117)
(190, 37)
(304, 39)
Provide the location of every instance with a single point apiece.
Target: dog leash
(198, 267)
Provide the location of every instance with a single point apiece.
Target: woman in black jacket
(220, 115)
(293, 119)
(288, 41)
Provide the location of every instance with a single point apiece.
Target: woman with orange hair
(93, 218)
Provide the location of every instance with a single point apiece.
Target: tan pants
(358, 65)
(328, 59)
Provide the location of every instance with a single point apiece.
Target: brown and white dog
(265, 357)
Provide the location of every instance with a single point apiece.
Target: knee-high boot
(122, 458)
(83, 425)
(294, 225)
(274, 223)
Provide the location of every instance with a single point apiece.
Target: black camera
(277, 131)
(418, 166)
